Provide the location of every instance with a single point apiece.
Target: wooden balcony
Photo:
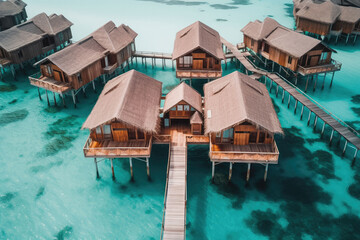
(4, 61)
(252, 153)
(49, 84)
(112, 149)
(197, 139)
(110, 69)
(188, 73)
(331, 67)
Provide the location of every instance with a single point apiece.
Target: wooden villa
(291, 50)
(40, 35)
(73, 68)
(327, 19)
(198, 52)
(183, 103)
(124, 119)
(12, 12)
(241, 122)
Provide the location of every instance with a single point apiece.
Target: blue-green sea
(48, 190)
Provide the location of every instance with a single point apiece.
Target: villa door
(58, 76)
(198, 64)
(241, 138)
(120, 134)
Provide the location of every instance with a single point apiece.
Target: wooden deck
(157, 55)
(251, 153)
(174, 221)
(113, 149)
(334, 122)
(50, 84)
(198, 74)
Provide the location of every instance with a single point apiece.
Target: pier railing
(310, 98)
(47, 83)
(166, 191)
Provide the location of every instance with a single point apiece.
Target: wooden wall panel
(313, 27)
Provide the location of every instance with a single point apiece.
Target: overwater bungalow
(183, 103)
(198, 52)
(241, 122)
(12, 12)
(124, 119)
(293, 51)
(75, 67)
(40, 35)
(327, 19)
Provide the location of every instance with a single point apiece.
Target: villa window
(186, 108)
(324, 56)
(266, 48)
(173, 109)
(107, 131)
(180, 107)
(79, 77)
(252, 43)
(49, 70)
(289, 60)
(192, 109)
(253, 136)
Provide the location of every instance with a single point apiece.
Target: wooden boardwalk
(174, 221)
(349, 134)
(158, 55)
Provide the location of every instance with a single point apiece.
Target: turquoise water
(48, 189)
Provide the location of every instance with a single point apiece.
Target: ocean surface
(48, 190)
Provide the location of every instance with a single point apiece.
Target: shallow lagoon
(48, 189)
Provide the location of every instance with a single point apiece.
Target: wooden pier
(336, 124)
(174, 219)
(153, 56)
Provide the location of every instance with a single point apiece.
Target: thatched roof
(257, 30)
(196, 118)
(326, 12)
(183, 92)
(11, 7)
(291, 42)
(236, 98)
(114, 38)
(78, 56)
(32, 30)
(350, 14)
(131, 98)
(92, 48)
(198, 35)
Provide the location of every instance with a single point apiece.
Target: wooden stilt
(272, 69)
(230, 170)
(307, 82)
(323, 128)
(353, 161)
(266, 172)
(302, 111)
(93, 85)
(104, 79)
(112, 169)
(355, 39)
(83, 90)
(47, 98)
(315, 82)
(332, 78)
(346, 142)
(331, 136)
(97, 170)
(213, 170)
(131, 168)
(39, 94)
(347, 38)
(148, 167)
(323, 82)
(277, 90)
(73, 96)
(271, 84)
(296, 103)
(248, 172)
(316, 118)
(289, 100)
(308, 122)
(283, 95)
(55, 99)
(63, 100)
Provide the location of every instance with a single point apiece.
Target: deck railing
(274, 152)
(87, 147)
(333, 66)
(166, 191)
(36, 80)
(189, 73)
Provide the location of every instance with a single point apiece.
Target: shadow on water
(223, 6)
(14, 116)
(176, 2)
(289, 9)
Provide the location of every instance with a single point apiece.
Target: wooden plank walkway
(335, 123)
(174, 222)
(158, 55)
